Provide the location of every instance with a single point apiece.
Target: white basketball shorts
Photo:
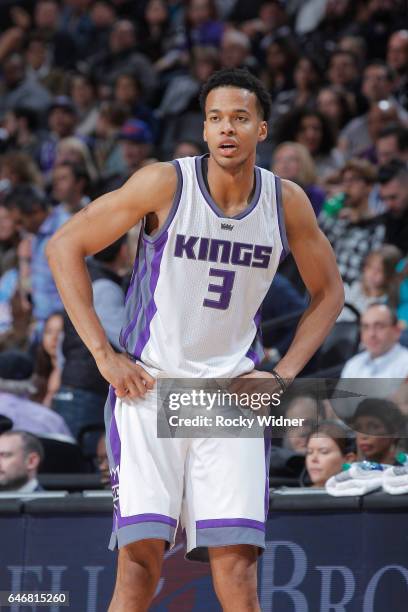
(216, 488)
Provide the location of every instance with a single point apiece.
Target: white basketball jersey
(193, 304)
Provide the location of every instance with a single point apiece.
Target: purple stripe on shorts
(267, 442)
(281, 219)
(123, 521)
(114, 438)
(151, 308)
(232, 522)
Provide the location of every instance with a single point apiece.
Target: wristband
(279, 380)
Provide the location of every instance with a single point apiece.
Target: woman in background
(293, 161)
(47, 371)
(328, 447)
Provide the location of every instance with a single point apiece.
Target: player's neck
(231, 190)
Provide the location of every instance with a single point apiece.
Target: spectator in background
(392, 144)
(21, 454)
(306, 78)
(47, 370)
(39, 67)
(136, 145)
(355, 45)
(293, 161)
(31, 210)
(61, 45)
(128, 93)
(16, 386)
(334, 103)
(82, 395)
(9, 239)
(21, 125)
(312, 130)
(75, 20)
(383, 356)
(343, 70)
(82, 90)
(203, 28)
(379, 425)
(310, 410)
(155, 36)
(18, 169)
(377, 283)
(280, 56)
(17, 89)
(357, 231)
(103, 15)
(329, 446)
(120, 56)
(74, 151)
(235, 51)
(69, 185)
(181, 94)
(397, 60)
(62, 120)
(107, 149)
(393, 180)
(358, 135)
(102, 463)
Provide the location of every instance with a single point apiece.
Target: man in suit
(21, 454)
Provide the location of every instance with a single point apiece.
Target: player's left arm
(317, 266)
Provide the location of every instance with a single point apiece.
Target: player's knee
(141, 562)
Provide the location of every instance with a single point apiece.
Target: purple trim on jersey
(173, 210)
(151, 310)
(281, 219)
(123, 521)
(231, 522)
(207, 196)
(252, 354)
(135, 268)
(133, 322)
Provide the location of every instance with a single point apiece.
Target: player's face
(232, 126)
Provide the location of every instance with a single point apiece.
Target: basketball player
(215, 228)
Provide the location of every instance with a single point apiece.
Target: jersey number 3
(224, 290)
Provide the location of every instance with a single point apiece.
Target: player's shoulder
(291, 191)
(156, 172)
(156, 182)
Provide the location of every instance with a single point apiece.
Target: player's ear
(205, 131)
(263, 131)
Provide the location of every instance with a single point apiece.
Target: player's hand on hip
(128, 379)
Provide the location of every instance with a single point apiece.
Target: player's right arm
(151, 189)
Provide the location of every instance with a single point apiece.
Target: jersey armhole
(281, 218)
(173, 209)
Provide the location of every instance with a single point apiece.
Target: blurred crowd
(93, 90)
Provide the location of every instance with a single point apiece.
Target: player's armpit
(310, 248)
(151, 189)
(317, 266)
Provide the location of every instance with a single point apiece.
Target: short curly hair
(242, 79)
